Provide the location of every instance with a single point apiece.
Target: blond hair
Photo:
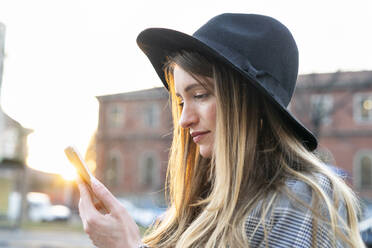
(254, 154)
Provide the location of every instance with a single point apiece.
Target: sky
(60, 55)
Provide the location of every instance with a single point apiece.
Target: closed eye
(201, 96)
(197, 97)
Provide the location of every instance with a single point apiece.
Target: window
(149, 175)
(363, 108)
(115, 115)
(151, 116)
(366, 172)
(363, 170)
(10, 143)
(321, 109)
(113, 170)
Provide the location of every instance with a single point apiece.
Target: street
(43, 239)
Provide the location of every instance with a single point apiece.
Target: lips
(197, 136)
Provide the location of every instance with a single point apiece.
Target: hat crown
(255, 43)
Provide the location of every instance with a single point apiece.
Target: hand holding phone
(84, 174)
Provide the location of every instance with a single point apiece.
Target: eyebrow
(188, 88)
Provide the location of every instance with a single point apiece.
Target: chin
(205, 152)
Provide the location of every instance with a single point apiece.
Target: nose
(188, 117)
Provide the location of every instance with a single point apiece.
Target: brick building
(134, 132)
(337, 107)
(133, 139)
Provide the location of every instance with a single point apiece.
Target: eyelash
(201, 96)
(198, 97)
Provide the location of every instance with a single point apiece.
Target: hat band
(274, 89)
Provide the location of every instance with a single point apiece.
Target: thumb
(104, 195)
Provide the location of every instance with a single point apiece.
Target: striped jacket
(290, 224)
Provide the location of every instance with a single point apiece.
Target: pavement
(43, 239)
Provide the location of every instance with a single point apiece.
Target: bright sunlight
(47, 160)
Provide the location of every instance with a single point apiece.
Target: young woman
(241, 170)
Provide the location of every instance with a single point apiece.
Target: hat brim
(159, 43)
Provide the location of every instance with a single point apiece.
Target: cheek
(212, 116)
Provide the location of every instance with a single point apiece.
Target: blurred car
(142, 216)
(40, 209)
(59, 213)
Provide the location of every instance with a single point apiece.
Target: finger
(82, 212)
(82, 215)
(84, 192)
(88, 192)
(101, 208)
(86, 206)
(104, 195)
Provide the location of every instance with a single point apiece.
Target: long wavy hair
(254, 154)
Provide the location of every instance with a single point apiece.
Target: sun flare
(49, 161)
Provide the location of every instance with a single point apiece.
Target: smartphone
(85, 175)
(76, 160)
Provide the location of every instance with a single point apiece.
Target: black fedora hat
(259, 47)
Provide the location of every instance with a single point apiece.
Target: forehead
(184, 81)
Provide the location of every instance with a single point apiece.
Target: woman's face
(198, 111)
